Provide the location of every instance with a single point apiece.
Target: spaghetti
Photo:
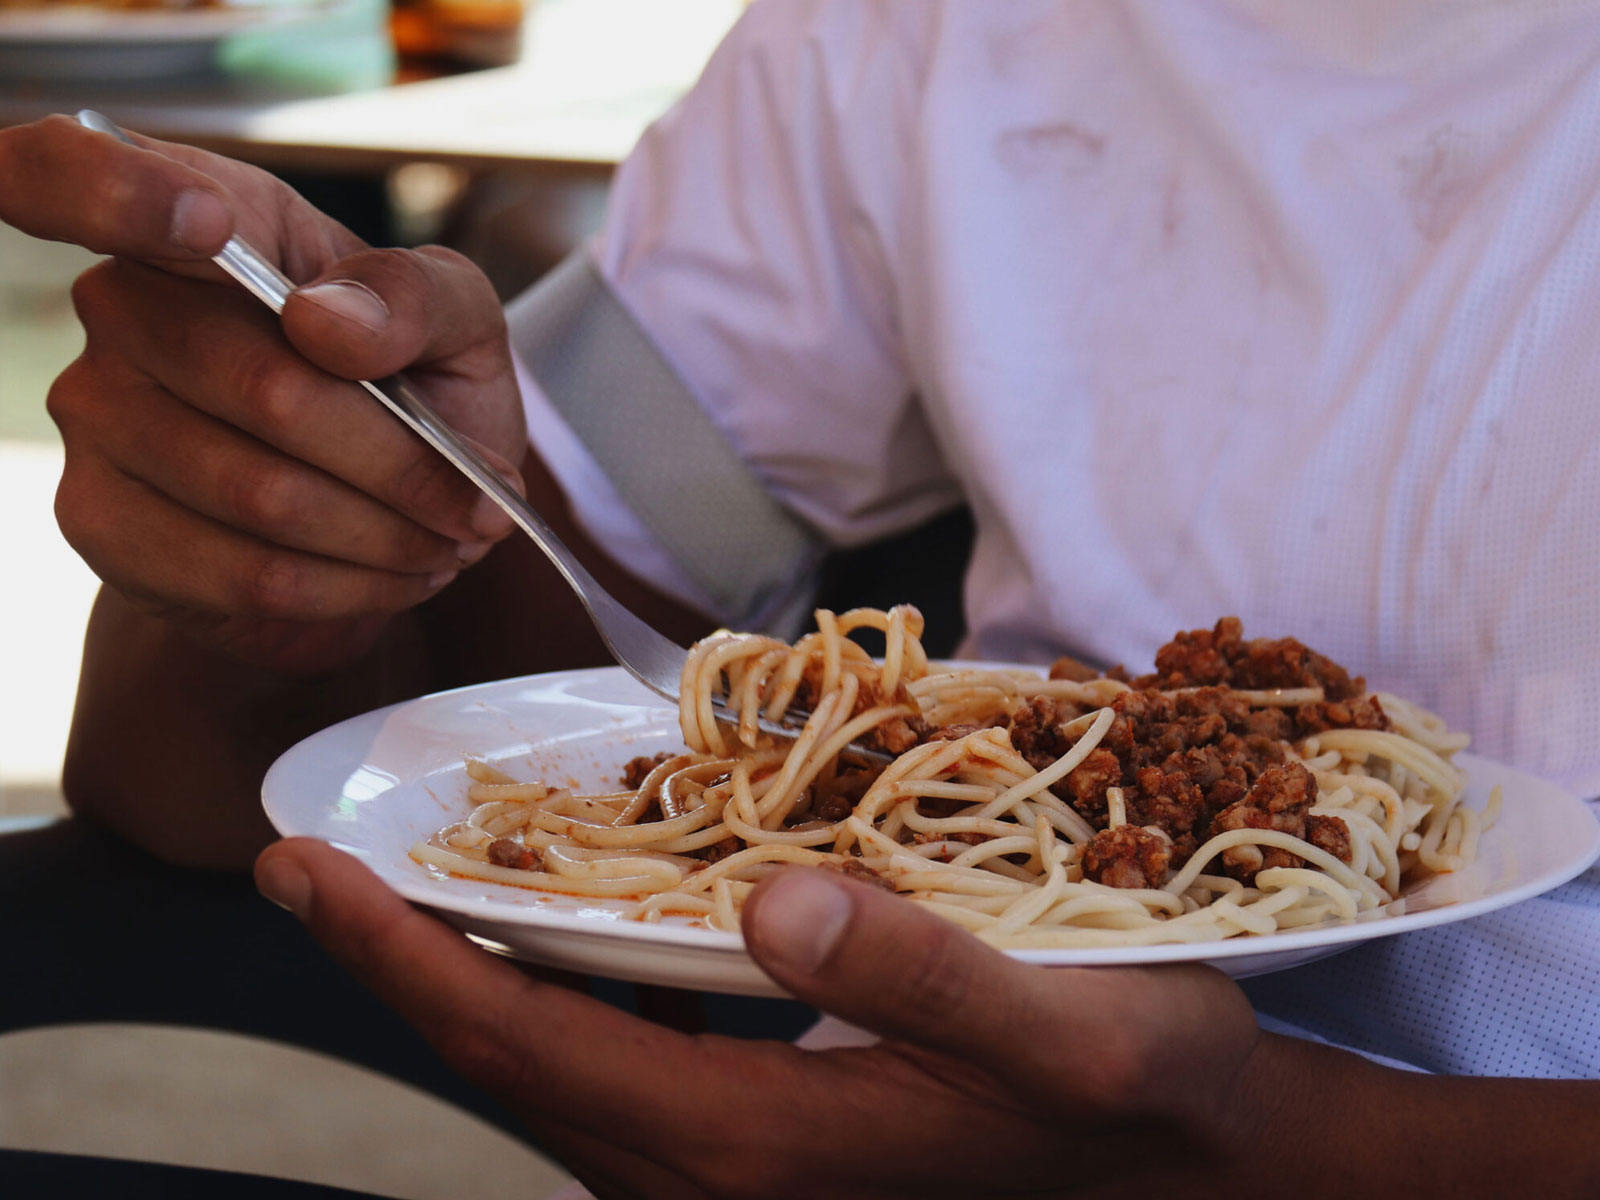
(1244, 787)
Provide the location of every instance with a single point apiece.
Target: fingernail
(468, 553)
(801, 919)
(285, 884)
(200, 221)
(439, 578)
(353, 301)
(489, 519)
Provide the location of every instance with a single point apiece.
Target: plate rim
(703, 941)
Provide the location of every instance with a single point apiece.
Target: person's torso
(1214, 313)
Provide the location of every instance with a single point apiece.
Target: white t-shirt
(1281, 310)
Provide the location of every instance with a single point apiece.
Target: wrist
(170, 738)
(1340, 1125)
(1324, 1116)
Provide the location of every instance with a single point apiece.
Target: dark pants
(95, 931)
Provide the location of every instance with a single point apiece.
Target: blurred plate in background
(100, 45)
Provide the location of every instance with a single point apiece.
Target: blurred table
(593, 75)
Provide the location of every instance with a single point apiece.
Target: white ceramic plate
(83, 42)
(376, 784)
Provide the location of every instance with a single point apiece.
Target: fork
(651, 658)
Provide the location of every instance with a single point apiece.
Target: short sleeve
(751, 237)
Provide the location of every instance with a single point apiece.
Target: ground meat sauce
(946, 854)
(897, 736)
(891, 737)
(1329, 834)
(717, 851)
(1280, 800)
(637, 768)
(1220, 655)
(954, 733)
(1362, 713)
(1036, 730)
(856, 869)
(1194, 758)
(1127, 857)
(1067, 667)
(509, 852)
(840, 799)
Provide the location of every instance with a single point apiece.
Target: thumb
(433, 313)
(1105, 1040)
(885, 964)
(377, 311)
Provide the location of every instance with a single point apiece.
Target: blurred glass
(476, 33)
(341, 46)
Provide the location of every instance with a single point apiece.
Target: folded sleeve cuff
(647, 472)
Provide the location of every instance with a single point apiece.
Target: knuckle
(89, 526)
(410, 268)
(396, 275)
(52, 128)
(274, 587)
(77, 514)
(416, 549)
(1121, 1071)
(468, 278)
(271, 386)
(442, 260)
(427, 486)
(444, 256)
(938, 978)
(484, 1056)
(96, 295)
(66, 402)
(263, 496)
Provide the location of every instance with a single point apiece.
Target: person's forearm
(170, 739)
(1338, 1125)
